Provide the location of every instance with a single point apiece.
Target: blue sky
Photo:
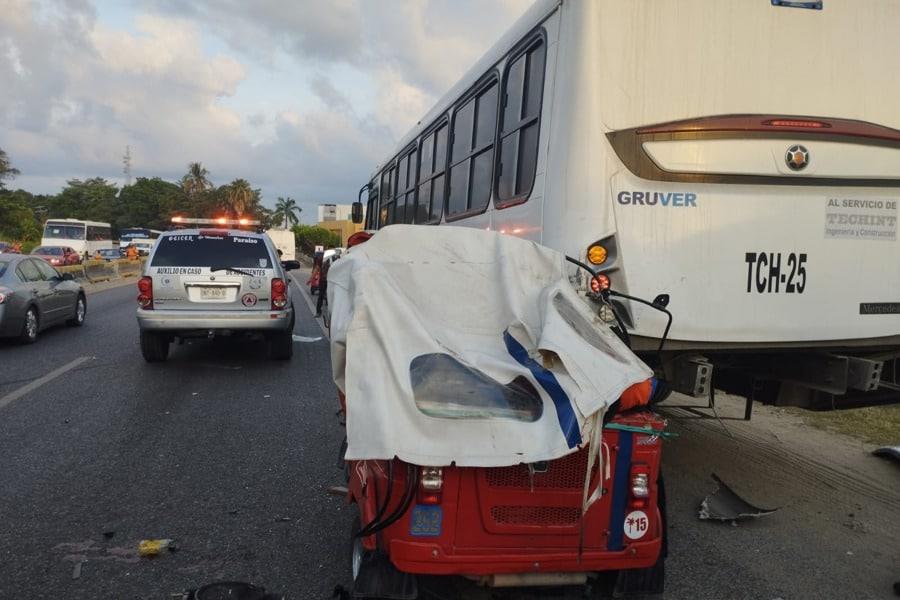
(302, 98)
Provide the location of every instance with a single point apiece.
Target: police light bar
(219, 221)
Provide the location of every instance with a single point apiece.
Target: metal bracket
(863, 374)
(692, 376)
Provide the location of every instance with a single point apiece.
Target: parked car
(109, 254)
(35, 296)
(8, 248)
(58, 256)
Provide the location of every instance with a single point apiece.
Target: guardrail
(104, 270)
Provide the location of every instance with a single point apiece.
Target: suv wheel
(154, 346)
(281, 345)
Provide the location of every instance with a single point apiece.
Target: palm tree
(286, 210)
(196, 180)
(239, 196)
(6, 170)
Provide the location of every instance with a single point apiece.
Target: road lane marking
(311, 305)
(30, 387)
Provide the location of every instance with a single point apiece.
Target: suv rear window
(210, 250)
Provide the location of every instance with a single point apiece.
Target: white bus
(85, 237)
(741, 156)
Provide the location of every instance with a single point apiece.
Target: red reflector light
(279, 294)
(600, 283)
(145, 293)
(797, 123)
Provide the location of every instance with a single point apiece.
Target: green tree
(93, 199)
(149, 203)
(287, 212)
(196, 181)
(310, 236)
(267, 218)
(239, 198)
(7, 171)
(17, 222)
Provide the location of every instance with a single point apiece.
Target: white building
(334, 212)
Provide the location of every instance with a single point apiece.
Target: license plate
(425, 521)
(212, 293)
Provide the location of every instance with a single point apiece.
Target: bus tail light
(597, 254)
(431, 483)
(640, 485)
(279, 294)
(600, 283)
(145, 293)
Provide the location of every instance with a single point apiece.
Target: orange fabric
(636, 395)
(358, 238)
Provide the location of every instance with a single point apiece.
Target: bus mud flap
(379, 578)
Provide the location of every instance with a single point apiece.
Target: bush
(310, 236)
(17, 222)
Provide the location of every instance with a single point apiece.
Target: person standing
(323, 283)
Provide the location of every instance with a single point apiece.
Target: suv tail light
(640, 485)
(279, 294)
(431, 483)
(145, 293)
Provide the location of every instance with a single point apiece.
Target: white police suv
(214, 280)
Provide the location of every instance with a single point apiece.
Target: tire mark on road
(792, 464)
(28, 388)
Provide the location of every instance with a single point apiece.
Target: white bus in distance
(741, 156)
(85, 237)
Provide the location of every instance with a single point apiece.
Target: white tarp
(457, 345)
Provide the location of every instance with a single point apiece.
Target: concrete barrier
(76, 270)
(130, 268)
(100, 270)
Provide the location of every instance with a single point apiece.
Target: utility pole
(126, 162)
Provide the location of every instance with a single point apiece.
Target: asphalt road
(230, 454)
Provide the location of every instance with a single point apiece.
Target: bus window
(431, 176)
(472, 156)
(98, 234)
(386, 212)
(372, 206)
(406, 187)
(524, 86)
(61, 231)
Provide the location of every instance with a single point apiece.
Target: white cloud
(78, 87)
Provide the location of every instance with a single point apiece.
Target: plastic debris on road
(155, 547)
(725, 505)
(304, 339)
(888, 452)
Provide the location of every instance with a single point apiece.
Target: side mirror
(356, 212)
(68, 277)
(290, 265)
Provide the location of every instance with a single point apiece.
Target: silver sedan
(35, 296)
